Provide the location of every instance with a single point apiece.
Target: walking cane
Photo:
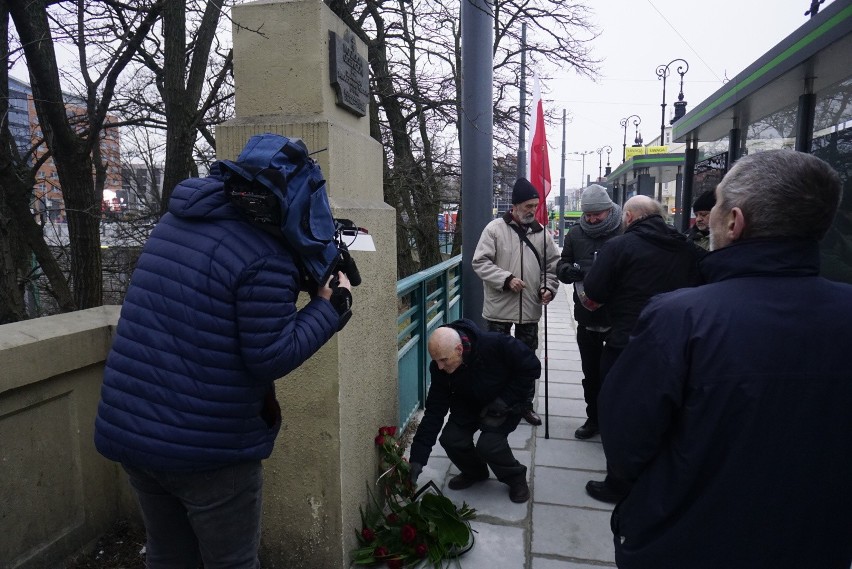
(543, 281)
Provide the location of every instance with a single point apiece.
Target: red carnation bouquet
(408, 528)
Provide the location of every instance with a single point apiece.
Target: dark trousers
(526, 333)
(608, 359)
(591, 345)
(491, 450)
(211, 516)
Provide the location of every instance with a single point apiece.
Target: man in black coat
(650, 258)
(601, 221)
(729, 410)
(482, 378)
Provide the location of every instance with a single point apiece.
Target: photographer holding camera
(188, 401)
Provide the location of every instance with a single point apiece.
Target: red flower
(393, 518)
(389, 431)
(368, 534)
(394, 563)
(381, 551)
(409, 532)
(380, 440)
(422, 550)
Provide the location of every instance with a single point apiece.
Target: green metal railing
(425, 300)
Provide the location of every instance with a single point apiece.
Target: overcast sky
(718, 39)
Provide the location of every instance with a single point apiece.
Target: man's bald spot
(642, 206)
(443, 341)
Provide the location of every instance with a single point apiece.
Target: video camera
(262, 208)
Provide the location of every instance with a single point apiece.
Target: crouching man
(483, 379)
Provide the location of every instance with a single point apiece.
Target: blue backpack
(276, 184)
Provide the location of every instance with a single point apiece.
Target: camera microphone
(347, 265)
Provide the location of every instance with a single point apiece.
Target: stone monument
(300, 72)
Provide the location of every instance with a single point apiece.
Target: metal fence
(425, 301)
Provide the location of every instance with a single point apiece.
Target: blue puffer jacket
(208, 323)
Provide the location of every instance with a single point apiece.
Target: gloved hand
(494, 414)
(414, 473)
(571, 273)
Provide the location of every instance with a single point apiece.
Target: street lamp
(584, 153)
(600, 152)
(623, 122)
(680, 106)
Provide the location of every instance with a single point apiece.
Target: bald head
(445, 348)
(640, 207)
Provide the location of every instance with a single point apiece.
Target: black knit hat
(523, 191)
(705, 201)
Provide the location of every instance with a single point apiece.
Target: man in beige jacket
(516, 260)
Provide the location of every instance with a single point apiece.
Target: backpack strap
(524, 238)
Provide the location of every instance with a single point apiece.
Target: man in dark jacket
(188, 402)
(729, 410)
(699, 233)
(651, 257)
(482, 378)
(601, 221)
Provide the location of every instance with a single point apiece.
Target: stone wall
(57, 494)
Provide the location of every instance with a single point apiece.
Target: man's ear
(736, 223)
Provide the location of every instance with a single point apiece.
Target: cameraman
(188, 401)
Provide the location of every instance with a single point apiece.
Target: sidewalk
(561, 527)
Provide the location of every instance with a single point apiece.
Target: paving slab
(560, 389)
(548, 563)
(560, 427)
(566, 487)
(580, 534)
(580, 455)
(563, 376)
(496, 547)
(564, 364)
(565, 406)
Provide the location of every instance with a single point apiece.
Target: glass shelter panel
(775, 130)
(832, 141)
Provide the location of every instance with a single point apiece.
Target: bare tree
(132, 72)
(414, 53)
(74, 141)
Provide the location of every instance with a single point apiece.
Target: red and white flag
(539, 172)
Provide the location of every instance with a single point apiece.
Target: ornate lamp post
(584, 153)
(623, 122)
(600, 152)
(680, 106)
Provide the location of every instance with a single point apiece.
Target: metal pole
(476, 142)
(522, 108)
(562, 188)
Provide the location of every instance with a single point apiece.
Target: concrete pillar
(332, 406)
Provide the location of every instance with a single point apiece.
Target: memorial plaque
(350, 75)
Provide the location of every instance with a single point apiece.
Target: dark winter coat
(208, 323)
(581, 249)
(497, 365)
(649, 258)
(730, 412)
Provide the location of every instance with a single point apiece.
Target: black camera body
(262, 208)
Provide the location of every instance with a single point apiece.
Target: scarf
(609, 225)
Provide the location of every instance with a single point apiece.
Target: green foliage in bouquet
(410, 529)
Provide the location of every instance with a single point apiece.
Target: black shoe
(531, 417)
(587, 431)
(602, 492)
(462, 481)
(519, 492)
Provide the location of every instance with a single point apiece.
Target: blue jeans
(211, 516)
